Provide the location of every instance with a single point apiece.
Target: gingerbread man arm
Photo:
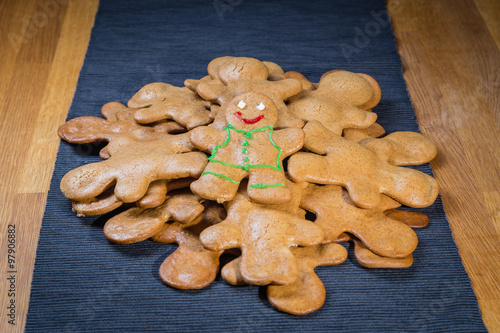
(206, 138)
(192, 84)
(366, 258)
(287, 87)
(135, 225)
(111, 110)
(306, 84)
(290, 140)
(305, 233)
(222, 236)
(355, 117)
(148, 94)
(184, 207)
(215, 65)
(102, 204)
(181, 143)
(377, 93)
(211, 90)
(152, 113)
(315, 137)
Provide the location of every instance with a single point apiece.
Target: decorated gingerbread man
(247, 147)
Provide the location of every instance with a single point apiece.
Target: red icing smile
(248, 121)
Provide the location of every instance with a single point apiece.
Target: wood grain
(451, 59)
(43, 47)
(451, 65)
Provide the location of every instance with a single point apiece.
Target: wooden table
(451, 60)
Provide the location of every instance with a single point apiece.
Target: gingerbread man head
(241, 68)
(250, 111)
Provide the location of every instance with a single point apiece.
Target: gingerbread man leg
(267, 185)
(218, 182)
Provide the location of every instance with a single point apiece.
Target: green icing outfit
(250, 161)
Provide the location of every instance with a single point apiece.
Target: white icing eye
(261, 106)
(241, 104)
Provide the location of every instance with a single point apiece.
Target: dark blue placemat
(82, 282)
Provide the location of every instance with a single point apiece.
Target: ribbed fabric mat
(84, 283)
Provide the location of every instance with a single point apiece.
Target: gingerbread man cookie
(137, 224)
(247, 147)
(336, 214)
(364, 172)
(159, 101)
(340, 101)
(133, 165)
(119, 122)
(264, 234)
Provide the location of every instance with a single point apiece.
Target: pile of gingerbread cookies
(259, 163)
